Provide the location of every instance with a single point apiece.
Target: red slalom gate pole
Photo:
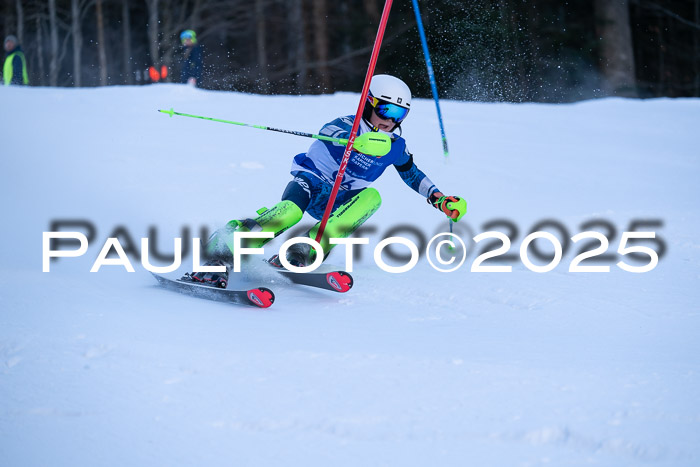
(356, 123)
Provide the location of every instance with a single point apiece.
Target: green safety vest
(8, 69)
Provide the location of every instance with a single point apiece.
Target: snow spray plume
(371, 143)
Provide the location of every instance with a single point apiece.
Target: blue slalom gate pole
(431, 75)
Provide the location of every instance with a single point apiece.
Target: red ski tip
(339, 281)
(261, 297)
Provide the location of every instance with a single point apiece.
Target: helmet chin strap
(391, 133)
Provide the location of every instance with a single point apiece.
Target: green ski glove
(454, 207)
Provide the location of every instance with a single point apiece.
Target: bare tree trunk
(153, 46)
(40, 50)
(345, 48)
(297, 42)
(101, 52)
(661, 88)
(7, 16)
(617, 55)
(53, 31)
(166, 20)
(374, 16)
(20, 21)
(696, 36)
(321, 44)
(126, 44)
(196, 16)
(77, 33)
(535, 61)
(261, 54)
(507, 91)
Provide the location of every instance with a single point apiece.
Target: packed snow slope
(421, 368)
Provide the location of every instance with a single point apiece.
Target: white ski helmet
(390, 89)
(389, 97)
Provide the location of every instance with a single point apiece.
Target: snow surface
(421, 368)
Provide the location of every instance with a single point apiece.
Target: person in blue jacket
(388, 104)
(14, 70)
(191, 71)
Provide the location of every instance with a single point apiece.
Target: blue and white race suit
(318, 167)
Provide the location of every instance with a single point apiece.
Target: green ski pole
(370, 143)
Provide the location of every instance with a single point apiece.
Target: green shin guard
(348, 217)
(279, 218)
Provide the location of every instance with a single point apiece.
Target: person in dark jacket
(14, 71)
(191, 72)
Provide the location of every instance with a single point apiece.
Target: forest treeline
(486, 50)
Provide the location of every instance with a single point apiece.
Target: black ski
(337, 281)
(261, 297)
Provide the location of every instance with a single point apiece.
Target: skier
(191, 71)
(388, 104)
(15, 66)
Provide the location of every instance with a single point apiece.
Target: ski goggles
(387, 110)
